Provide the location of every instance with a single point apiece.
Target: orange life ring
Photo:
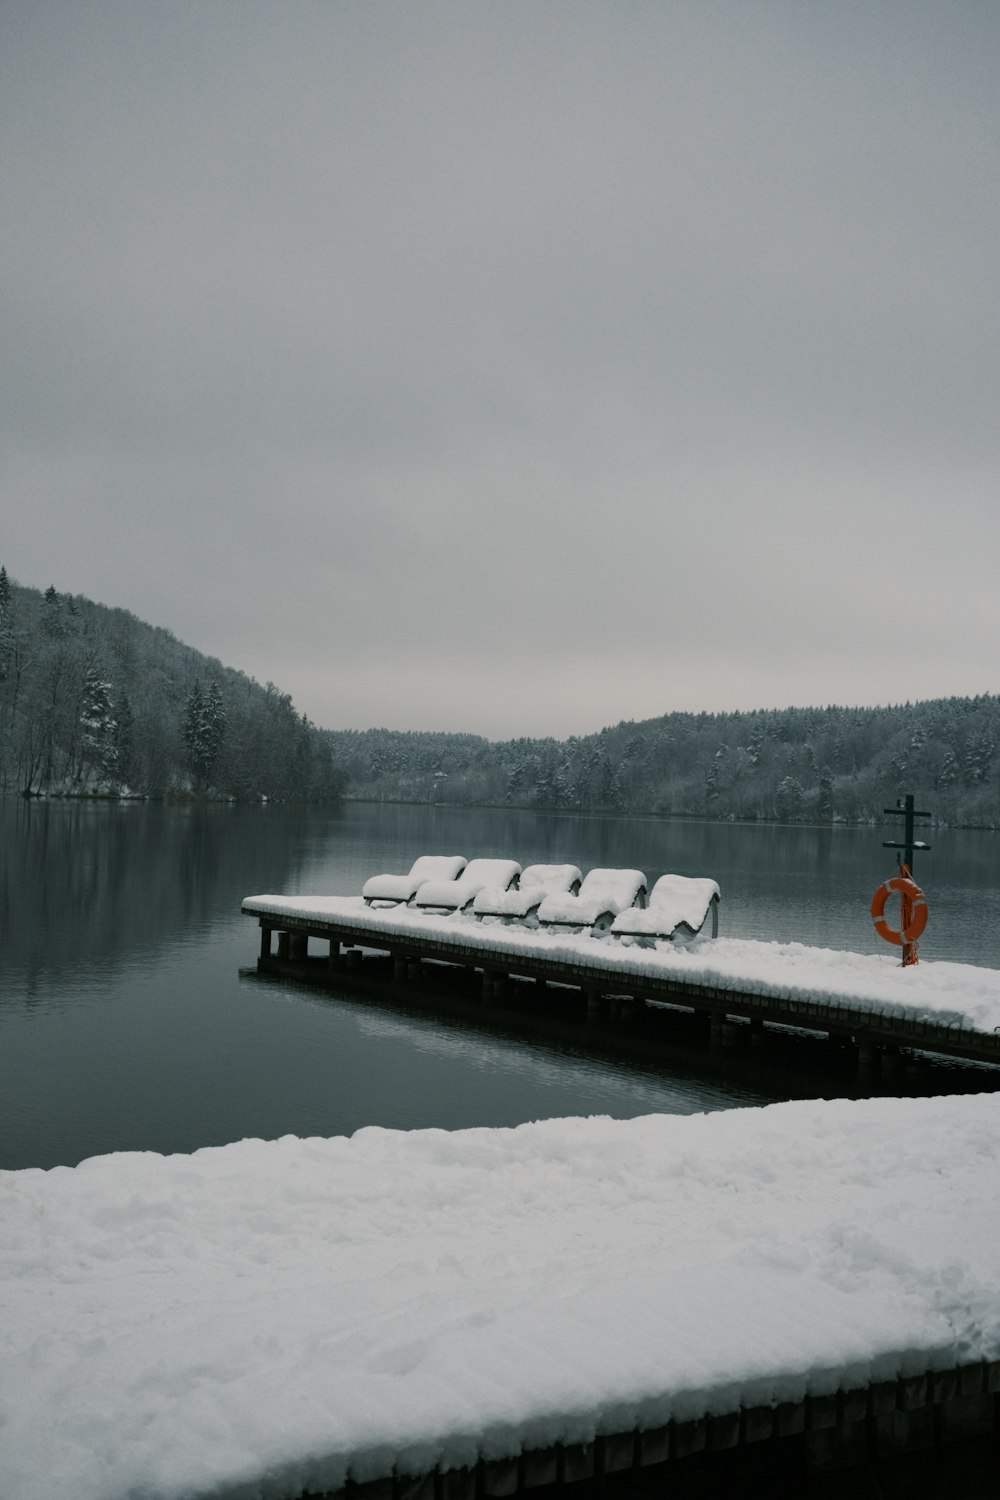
(918, 910)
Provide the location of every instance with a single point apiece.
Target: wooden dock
(844, 1438)
(604, 982)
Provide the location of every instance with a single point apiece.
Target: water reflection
(86, 887)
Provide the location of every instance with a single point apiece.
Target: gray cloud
(514, 368)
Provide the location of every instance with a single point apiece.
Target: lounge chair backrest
(392, 889)
(455, 895)
(620, 884)
(683, 890)
(550, 878)
(491, 872)
(437, 867)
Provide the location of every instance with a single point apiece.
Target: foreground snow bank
(949, 994)
(266, 1317)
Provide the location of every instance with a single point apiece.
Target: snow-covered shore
(265, 1317)
(947, 994)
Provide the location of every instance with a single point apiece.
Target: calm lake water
(131, 1018)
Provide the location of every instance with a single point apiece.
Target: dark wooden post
(492, 978)
(265, 940)
(869, 1060)
(909, 845)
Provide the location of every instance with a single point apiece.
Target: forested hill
(93, 700)
(809, 765)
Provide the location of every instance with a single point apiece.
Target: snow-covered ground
(265, 1317)
(949, 994)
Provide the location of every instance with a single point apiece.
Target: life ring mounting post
(912, 902)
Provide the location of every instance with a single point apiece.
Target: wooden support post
(283, 944)
(868, 1060)
(716, 1031)
(399, 965)
(621, 1007)
(298, 946)
(334, 958)
(892, 1062)
(756, 1031)
(492, 984)
(595, 1002)
(265, 939)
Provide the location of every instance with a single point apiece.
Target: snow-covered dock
(441, 1315)
(868, 1000)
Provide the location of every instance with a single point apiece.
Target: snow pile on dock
(266, 1317)
(946, 993)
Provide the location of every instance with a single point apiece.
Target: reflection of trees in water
(87, 883)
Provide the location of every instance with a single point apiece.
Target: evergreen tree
(99, 727)
(948, 774)
(824, 805)
(789, 799)
(53, 623)
(204, 728)
(6, 625)
(193, 723)
(214, 731)
(978, 756)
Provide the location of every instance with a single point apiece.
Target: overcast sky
(516, 366)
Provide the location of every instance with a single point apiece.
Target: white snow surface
(478, 873)
(949, 994)
(537, 882)
(402, 887)
(602, 891)
(674, 900)
(257, 1319)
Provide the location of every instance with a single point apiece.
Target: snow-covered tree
(6, 624)
(204, 727)
(948, 774)
(53, 623)
(99, 728)
(789, 798)
(824, 803)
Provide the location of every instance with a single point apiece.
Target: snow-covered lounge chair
(679, 907)
(392, 890)
(603, 894)
(456, 895)
(520, 903)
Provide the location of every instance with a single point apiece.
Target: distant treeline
(788, 765)
(94, 701)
